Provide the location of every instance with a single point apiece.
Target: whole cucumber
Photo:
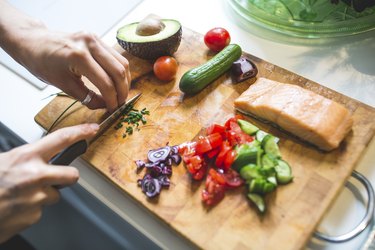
(196, 79)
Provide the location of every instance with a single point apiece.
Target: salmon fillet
(307, 115)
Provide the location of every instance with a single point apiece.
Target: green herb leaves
(132, 118)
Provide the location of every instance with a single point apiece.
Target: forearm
(15, 28)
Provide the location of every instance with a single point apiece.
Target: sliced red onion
(159, 167)
(174, 149)
(243, 69)
(168, 161)
(151, 187)
(140, 164)
(156, 171)
(176, 158)
(150, 165)
(159, 154)
(167, 170)
(164, 181)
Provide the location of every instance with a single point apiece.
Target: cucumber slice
(246, 153)
(272, 179)
(260, 135)
(247, 127)
(269, 187)
(269, 171)
(256, 185)
(270, 146)
(259, 156)
(261, 186)
(258, 201)
(283, 172)
(268, 161)
(250, 171)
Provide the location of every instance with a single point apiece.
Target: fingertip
(71, 177)
(74, 174)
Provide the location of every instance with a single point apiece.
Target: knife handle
(69, 154)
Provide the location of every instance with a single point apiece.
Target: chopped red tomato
(186, 158)
(243, 138)
(232, 119)
(234, 126)
(214, 152)
(193, 163)
(214, 191)
(215, 128)
(236, 136)
(200, 173)
(203, 145)
(215, 140)
(187, 148)
(196, 161)
(229, 159)
(190, 167)
(219, 143)
(232, 178)
(225, 147)
(231, 137)
(216, 176)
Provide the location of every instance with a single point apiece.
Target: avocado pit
(149, 26)
(150, 38)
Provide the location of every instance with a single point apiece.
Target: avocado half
(166, 42)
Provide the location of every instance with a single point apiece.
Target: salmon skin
(307, 115)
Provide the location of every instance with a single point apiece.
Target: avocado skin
(154, 49)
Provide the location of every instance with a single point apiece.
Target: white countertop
(347, 66)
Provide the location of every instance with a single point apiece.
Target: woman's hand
(27, 182)
(62, 59)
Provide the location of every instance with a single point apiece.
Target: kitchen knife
(70, 153)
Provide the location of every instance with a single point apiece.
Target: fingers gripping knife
(70, 153)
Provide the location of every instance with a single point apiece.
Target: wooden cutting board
(294, 210)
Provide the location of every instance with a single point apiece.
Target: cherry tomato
(217, 39)
(165, 68)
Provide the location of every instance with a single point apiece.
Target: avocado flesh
(166, 42)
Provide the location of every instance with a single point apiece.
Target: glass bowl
(306, 18)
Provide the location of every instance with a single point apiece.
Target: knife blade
(70, 153)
